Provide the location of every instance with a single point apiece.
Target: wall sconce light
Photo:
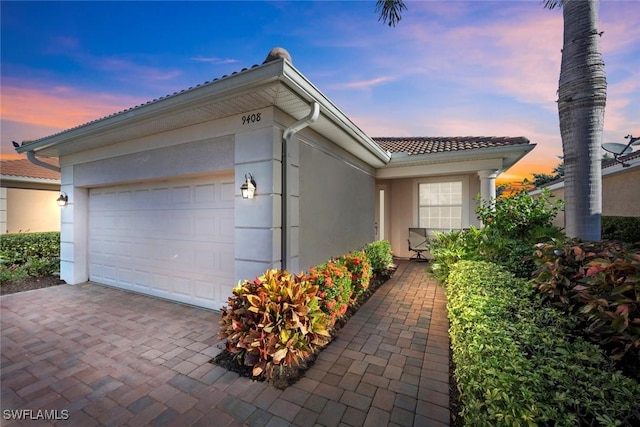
(63, 199)
(248, 188)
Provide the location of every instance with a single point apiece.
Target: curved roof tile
(440, 144)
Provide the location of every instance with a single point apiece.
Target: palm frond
(390, 11)
(552, 4)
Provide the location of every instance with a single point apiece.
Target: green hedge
(515, 364)
(18, 248)
(29, 254)
(623, 228)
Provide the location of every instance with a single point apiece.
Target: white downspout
(33, 159)
(286, 137)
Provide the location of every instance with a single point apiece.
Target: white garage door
(169, 239)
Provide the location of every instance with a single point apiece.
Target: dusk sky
(450, 68)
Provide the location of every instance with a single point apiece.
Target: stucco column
(257, 220)
(488, 184)
(74, 251)
(3, 210)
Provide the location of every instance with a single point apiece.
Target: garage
(171, 239)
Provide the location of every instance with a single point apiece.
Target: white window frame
(464, 179)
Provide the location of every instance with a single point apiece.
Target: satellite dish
(616, 148)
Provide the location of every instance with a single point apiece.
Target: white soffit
(276, 84)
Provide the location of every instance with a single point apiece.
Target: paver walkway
(99, 356)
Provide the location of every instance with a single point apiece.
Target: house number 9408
(250, 118)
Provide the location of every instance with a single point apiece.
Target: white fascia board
(302, 86)
(508, 156)
(618, 168)
(226, 86)
(552, 187)
(15, 178)
(437, 169)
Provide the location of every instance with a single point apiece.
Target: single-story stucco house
(155, 202)
(28, 195)
(620, 188)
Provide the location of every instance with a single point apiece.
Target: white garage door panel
(173, 240)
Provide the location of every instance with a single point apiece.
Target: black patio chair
(418, 242)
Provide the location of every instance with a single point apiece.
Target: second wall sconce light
(248, 188)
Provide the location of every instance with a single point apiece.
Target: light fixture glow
(62, 200)
(248, 188)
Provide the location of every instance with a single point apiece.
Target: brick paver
(109, 357)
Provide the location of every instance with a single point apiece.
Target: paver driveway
(100, 356)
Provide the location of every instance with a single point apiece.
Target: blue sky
(450, 68)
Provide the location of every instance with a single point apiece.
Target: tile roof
(139, 106)
(24, 168)
(440, 144)
(626, 158)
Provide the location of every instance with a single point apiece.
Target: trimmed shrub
(517, 366)
(359, 267)
(622, 228)
(29, 254)
(334, 288)
(379, 255)
(17, 249)
(273, 321)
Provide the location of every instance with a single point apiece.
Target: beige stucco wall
(29, 210)
(403, 202)
(620, 195)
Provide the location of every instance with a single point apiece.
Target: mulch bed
(291, 374)
(29, 284)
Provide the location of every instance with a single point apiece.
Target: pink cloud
(58, 107)
(364, 84)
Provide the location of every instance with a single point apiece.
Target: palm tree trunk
(582, 97)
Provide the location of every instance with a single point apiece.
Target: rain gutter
(31, 155)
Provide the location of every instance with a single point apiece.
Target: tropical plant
(273, 321)
(449, 248)
(599, 282)
(582, 98)
(379, 255)
(359, 268)
(514, 224)
(334, 288)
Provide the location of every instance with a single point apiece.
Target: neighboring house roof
(23, 168)
(608, 167)
(24, 174)
(627, 158)
(439, 144)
